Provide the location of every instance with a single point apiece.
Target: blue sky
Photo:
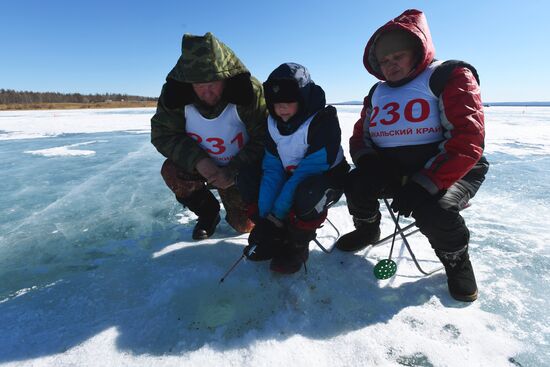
(129, 46)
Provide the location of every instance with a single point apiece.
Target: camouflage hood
(205, 59)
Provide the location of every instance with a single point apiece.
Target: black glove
(265, 240)
(379, 170)
(409, 198)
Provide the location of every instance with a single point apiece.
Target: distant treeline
(9, 96)
(517, 104)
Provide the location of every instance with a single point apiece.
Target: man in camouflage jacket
(210, 124)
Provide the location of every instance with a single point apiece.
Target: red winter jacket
(461, 113)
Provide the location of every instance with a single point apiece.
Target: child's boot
(295, 253)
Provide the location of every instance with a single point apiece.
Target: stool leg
(324, 249)
(404, 238)
(389, 237)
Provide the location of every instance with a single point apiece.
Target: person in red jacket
(419, 140)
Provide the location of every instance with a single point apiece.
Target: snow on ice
(97, 266)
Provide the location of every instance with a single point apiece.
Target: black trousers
(438, 219)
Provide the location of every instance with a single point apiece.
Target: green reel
(385, 269)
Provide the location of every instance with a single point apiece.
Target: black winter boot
(367, 232)
(295, 253)
(460, 274)
(207, 208)
(265, 241)
(205, 227)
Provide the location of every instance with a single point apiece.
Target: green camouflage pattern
(236, 210)
(168, 132)
(183, 185)
(254, 116)
(205, 59)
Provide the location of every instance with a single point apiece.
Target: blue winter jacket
(278, 185)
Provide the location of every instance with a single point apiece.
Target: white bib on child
(405, 115)
(221, 137)
(291, 148)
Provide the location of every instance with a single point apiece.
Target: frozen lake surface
(97, 266)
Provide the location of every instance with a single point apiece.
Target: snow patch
(97, 265)
(43, 124)
(65, 151)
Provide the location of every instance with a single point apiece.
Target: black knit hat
(281, 91)
(290, 82)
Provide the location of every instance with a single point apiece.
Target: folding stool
(404, 233)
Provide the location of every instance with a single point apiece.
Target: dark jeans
(438, 219)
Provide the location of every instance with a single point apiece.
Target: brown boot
(237, 212)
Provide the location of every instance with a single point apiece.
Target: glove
(379, 170)
(408, 198)
(265, 240)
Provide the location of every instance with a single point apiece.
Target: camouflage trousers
(183, 184)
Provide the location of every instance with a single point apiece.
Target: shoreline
(152, 104)
(74, 106)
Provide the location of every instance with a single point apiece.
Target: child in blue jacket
(303, 169)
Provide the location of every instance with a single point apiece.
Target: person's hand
(219, 177)
(206, 167)
(409, 198)
(224, 178)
